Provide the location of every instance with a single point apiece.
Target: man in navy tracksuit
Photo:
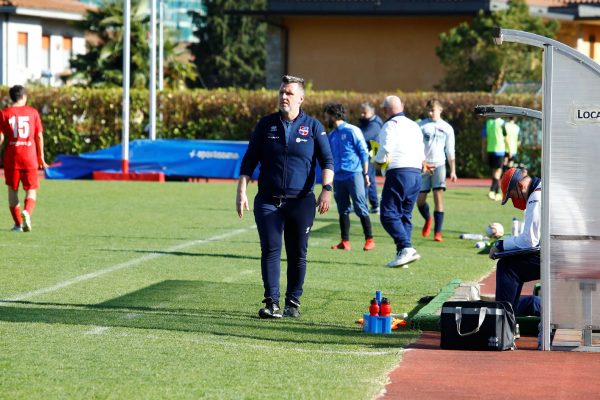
(371, 124)
(287, 144)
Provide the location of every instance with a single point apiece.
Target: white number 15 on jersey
(20, 126)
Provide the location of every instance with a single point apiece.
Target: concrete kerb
(428, 317)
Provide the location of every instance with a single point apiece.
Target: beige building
(37, 39)
(371, 46)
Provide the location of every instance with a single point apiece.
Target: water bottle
(472, 236)
(386, 309)
(521, 227)
(374, 308)
(515, 227)
(481, 244)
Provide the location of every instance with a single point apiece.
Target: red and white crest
(303, 130)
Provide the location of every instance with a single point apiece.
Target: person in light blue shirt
(438, 137)
(350, 167)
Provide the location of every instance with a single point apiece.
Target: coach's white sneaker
(404, 257)
(16, 228)
(26, 221)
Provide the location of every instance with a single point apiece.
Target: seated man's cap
(509, 181)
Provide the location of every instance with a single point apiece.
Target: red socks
(16, 215)
(29, 205)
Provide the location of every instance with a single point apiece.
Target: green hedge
(83, 120)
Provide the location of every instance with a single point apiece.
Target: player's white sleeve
(384, 140)
(532, 229)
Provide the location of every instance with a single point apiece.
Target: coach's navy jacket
(287, 169)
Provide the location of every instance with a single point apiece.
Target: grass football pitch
(144, 290)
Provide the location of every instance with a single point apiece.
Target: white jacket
(401, 142)
(532, 224)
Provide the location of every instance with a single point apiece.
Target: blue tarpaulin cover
(173, 157)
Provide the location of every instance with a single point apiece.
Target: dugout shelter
(570, 240)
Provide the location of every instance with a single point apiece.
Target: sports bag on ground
(478, 325)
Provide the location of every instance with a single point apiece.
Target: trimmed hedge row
(83, 120)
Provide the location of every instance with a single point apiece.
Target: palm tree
(102, 65)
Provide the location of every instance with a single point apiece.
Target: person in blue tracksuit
(287, 145)
(371, 124)
(351, 164)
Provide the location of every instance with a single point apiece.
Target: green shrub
(82, 120)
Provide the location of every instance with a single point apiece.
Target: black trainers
(270, 310)
(291, 309)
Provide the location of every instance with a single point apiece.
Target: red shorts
(28, 177)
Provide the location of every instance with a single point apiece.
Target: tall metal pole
(126, 66)
(161, 46)
(548, 71)
(161, 28)
(152, 69)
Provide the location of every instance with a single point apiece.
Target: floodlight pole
(126, 79)
(161, 46)
(152, 69)
(161, 41)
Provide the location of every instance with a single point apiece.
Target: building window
(22, 44)
(67, 48)
(46, 52)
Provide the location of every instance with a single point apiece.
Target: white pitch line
(126, 264)
(97, 330)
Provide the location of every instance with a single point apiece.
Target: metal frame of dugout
(570, 234)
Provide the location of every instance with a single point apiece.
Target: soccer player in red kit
(23, 154)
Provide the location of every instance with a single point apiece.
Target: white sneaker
(492, 195)
(404, 257)
(26, 221)
(16, 228)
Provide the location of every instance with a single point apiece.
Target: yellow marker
(374, 149)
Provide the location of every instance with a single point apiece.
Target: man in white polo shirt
(401, 146)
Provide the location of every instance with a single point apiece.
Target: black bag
(478, 325)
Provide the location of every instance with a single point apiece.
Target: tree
(231, 48)
(102, 65)
(474, 63)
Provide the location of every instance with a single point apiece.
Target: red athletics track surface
(427, 372)
(462, 182)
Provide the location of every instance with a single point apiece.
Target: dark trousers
(372, 188)
(398, 198)
(512, 272)
(293, 218)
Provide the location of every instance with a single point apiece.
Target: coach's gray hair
(293, 79)
(368, 106)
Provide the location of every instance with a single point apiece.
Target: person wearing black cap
(511, 272)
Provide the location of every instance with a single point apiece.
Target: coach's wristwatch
(328, 187)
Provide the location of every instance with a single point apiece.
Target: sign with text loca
(589, 114)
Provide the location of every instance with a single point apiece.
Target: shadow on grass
(185, 254)
(332, 231)
(211, 308)
(226, 255)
